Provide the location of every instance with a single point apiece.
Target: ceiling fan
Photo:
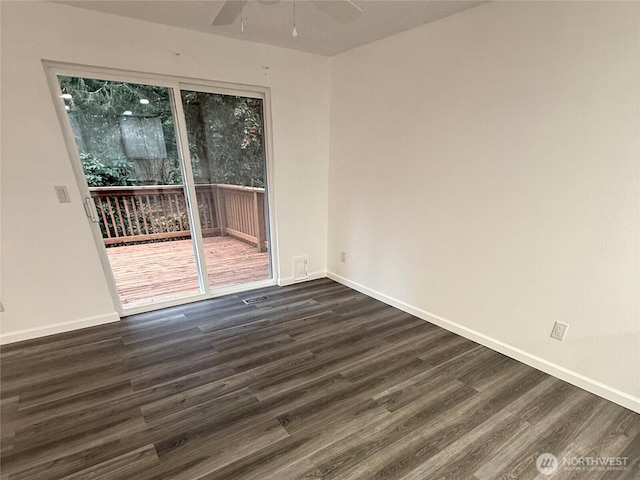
(343, 11)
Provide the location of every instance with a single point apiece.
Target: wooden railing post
(259, 223)
(221, 213)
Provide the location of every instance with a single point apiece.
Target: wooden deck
(163, 271)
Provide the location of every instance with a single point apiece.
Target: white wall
(484, 169)
(50, 269)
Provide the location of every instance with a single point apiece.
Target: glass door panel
(227, 149)
(126, 136)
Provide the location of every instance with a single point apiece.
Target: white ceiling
(271, 22)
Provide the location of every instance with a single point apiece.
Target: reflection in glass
(226, 145)
(126, 138)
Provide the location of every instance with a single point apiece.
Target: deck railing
(158, 212)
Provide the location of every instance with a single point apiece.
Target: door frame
(174, 84)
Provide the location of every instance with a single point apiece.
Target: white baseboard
(283, 282)
(598, 388)
(31, 333)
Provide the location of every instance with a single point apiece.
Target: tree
(225, 133)
(225, 137)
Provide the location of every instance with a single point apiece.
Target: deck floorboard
(155, 272)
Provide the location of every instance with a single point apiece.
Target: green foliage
(249, 112)
(96, 108)
(118, 172)
(110, 98)
(225, 133)
(225, 138)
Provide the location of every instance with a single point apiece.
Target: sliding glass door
(176, 182)
(226, 145)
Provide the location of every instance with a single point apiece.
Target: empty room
(320, 240)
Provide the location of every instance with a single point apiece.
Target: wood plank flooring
(155, 272)
(317, 382)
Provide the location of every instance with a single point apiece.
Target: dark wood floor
(318, 382)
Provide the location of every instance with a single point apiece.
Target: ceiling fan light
(294, 33)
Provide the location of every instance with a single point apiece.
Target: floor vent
(252, 300)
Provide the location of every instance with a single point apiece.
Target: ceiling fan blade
(229, 12)
(344, 11)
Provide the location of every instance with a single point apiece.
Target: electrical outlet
(559, 330)
(343, 257)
